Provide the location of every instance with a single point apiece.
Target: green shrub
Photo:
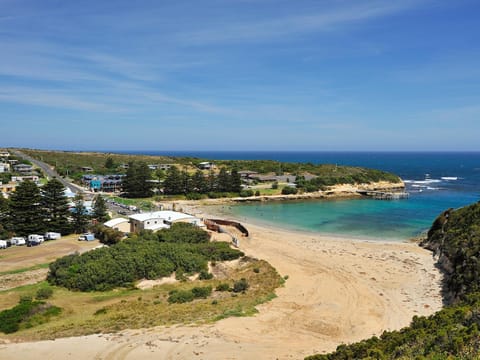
(240, 285)
(246, 193)
(181, 296)
(44, 293)
(288, 190)
(202, 292)
(205, 275)
(223, 287)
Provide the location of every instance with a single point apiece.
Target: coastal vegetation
(454, 331)
(184, 248)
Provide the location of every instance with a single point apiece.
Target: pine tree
(199, 183)
(223, 181)
(26, 210)
(186, 182)
(109, 164)
(173, 182)
(4, 217)
(100, 210)
(80, 217)
(136, 183)
(55, 207)
(235, 181)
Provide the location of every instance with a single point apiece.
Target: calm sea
(436, 181)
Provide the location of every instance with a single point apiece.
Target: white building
(4, 167)
(160, 220)
(120, 224)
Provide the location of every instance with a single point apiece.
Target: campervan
(3, 244)
(52, 236)
(18, 241)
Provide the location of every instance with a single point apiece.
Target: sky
(332, 75)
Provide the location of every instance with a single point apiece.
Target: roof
(165, 215)
(158, 227)
(115, 222)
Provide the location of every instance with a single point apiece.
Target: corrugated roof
(114, 222)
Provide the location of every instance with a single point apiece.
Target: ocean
(436, 181)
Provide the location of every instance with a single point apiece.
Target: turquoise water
(453, 181)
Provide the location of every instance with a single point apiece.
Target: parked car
(18, 241)
(3, 244)
(86, 237)
(52, 236)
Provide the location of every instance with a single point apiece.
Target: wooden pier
(384, 195)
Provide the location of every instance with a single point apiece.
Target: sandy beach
(338, 291)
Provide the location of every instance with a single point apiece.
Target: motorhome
(86, 237)
(35, 239)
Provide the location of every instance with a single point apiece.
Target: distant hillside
(327, 174)
(452, 333)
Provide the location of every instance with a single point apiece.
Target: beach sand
(338, 291)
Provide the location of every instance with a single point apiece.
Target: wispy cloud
(321, 20)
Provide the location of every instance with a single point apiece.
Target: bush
(44, 293)
(240, 285)
(205, 275)
(275, 185)
(202, 292)
(223, 287)
(246, 193)
(257, 193)
(181, 296)
(287, 190)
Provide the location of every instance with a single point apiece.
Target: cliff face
(454, 239)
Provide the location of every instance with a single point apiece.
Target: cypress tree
(136, 182)
(100, 210)
(55, 207)
(199, 183)
(26, 210)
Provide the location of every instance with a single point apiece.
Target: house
(87, 169)
(7, 189)
(23, 168)
(160, 220)
(105, 183)
(246, 174)
(4, 167)
(4, 154)
(206, 165)
(153, 167)
(120, 224)
(32, 178)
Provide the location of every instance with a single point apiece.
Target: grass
(111, 311)
(31, 268)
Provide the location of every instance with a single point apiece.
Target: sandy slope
(338, 291)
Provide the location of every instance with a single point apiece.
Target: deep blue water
(401, 219)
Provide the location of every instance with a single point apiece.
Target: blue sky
(240, 75)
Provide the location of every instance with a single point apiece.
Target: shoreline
(336, 292)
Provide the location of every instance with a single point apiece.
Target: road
(48, 170)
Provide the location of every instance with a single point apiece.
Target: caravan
(35, 239)
(52, 236)
(18, 241)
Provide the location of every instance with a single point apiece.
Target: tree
(173, 182)
(25, 210)
(235, 181)
(136, 183)
(4, 217)
(80, 217)
(100, 210)
(199, 184)
(109, 164)
(55, 207)
(223, 181)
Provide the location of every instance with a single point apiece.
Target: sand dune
(338, 291)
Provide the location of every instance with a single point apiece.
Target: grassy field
(95, 312)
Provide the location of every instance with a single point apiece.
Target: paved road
(49, 171)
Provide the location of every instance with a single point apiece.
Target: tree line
(138, 182)
(34, 210)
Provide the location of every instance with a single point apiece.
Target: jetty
(384, 195)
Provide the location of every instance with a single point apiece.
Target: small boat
(450, 178)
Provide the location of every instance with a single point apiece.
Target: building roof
(165, 215)
(158, 226)
(115, 222)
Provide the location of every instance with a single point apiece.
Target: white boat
(449, 178)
